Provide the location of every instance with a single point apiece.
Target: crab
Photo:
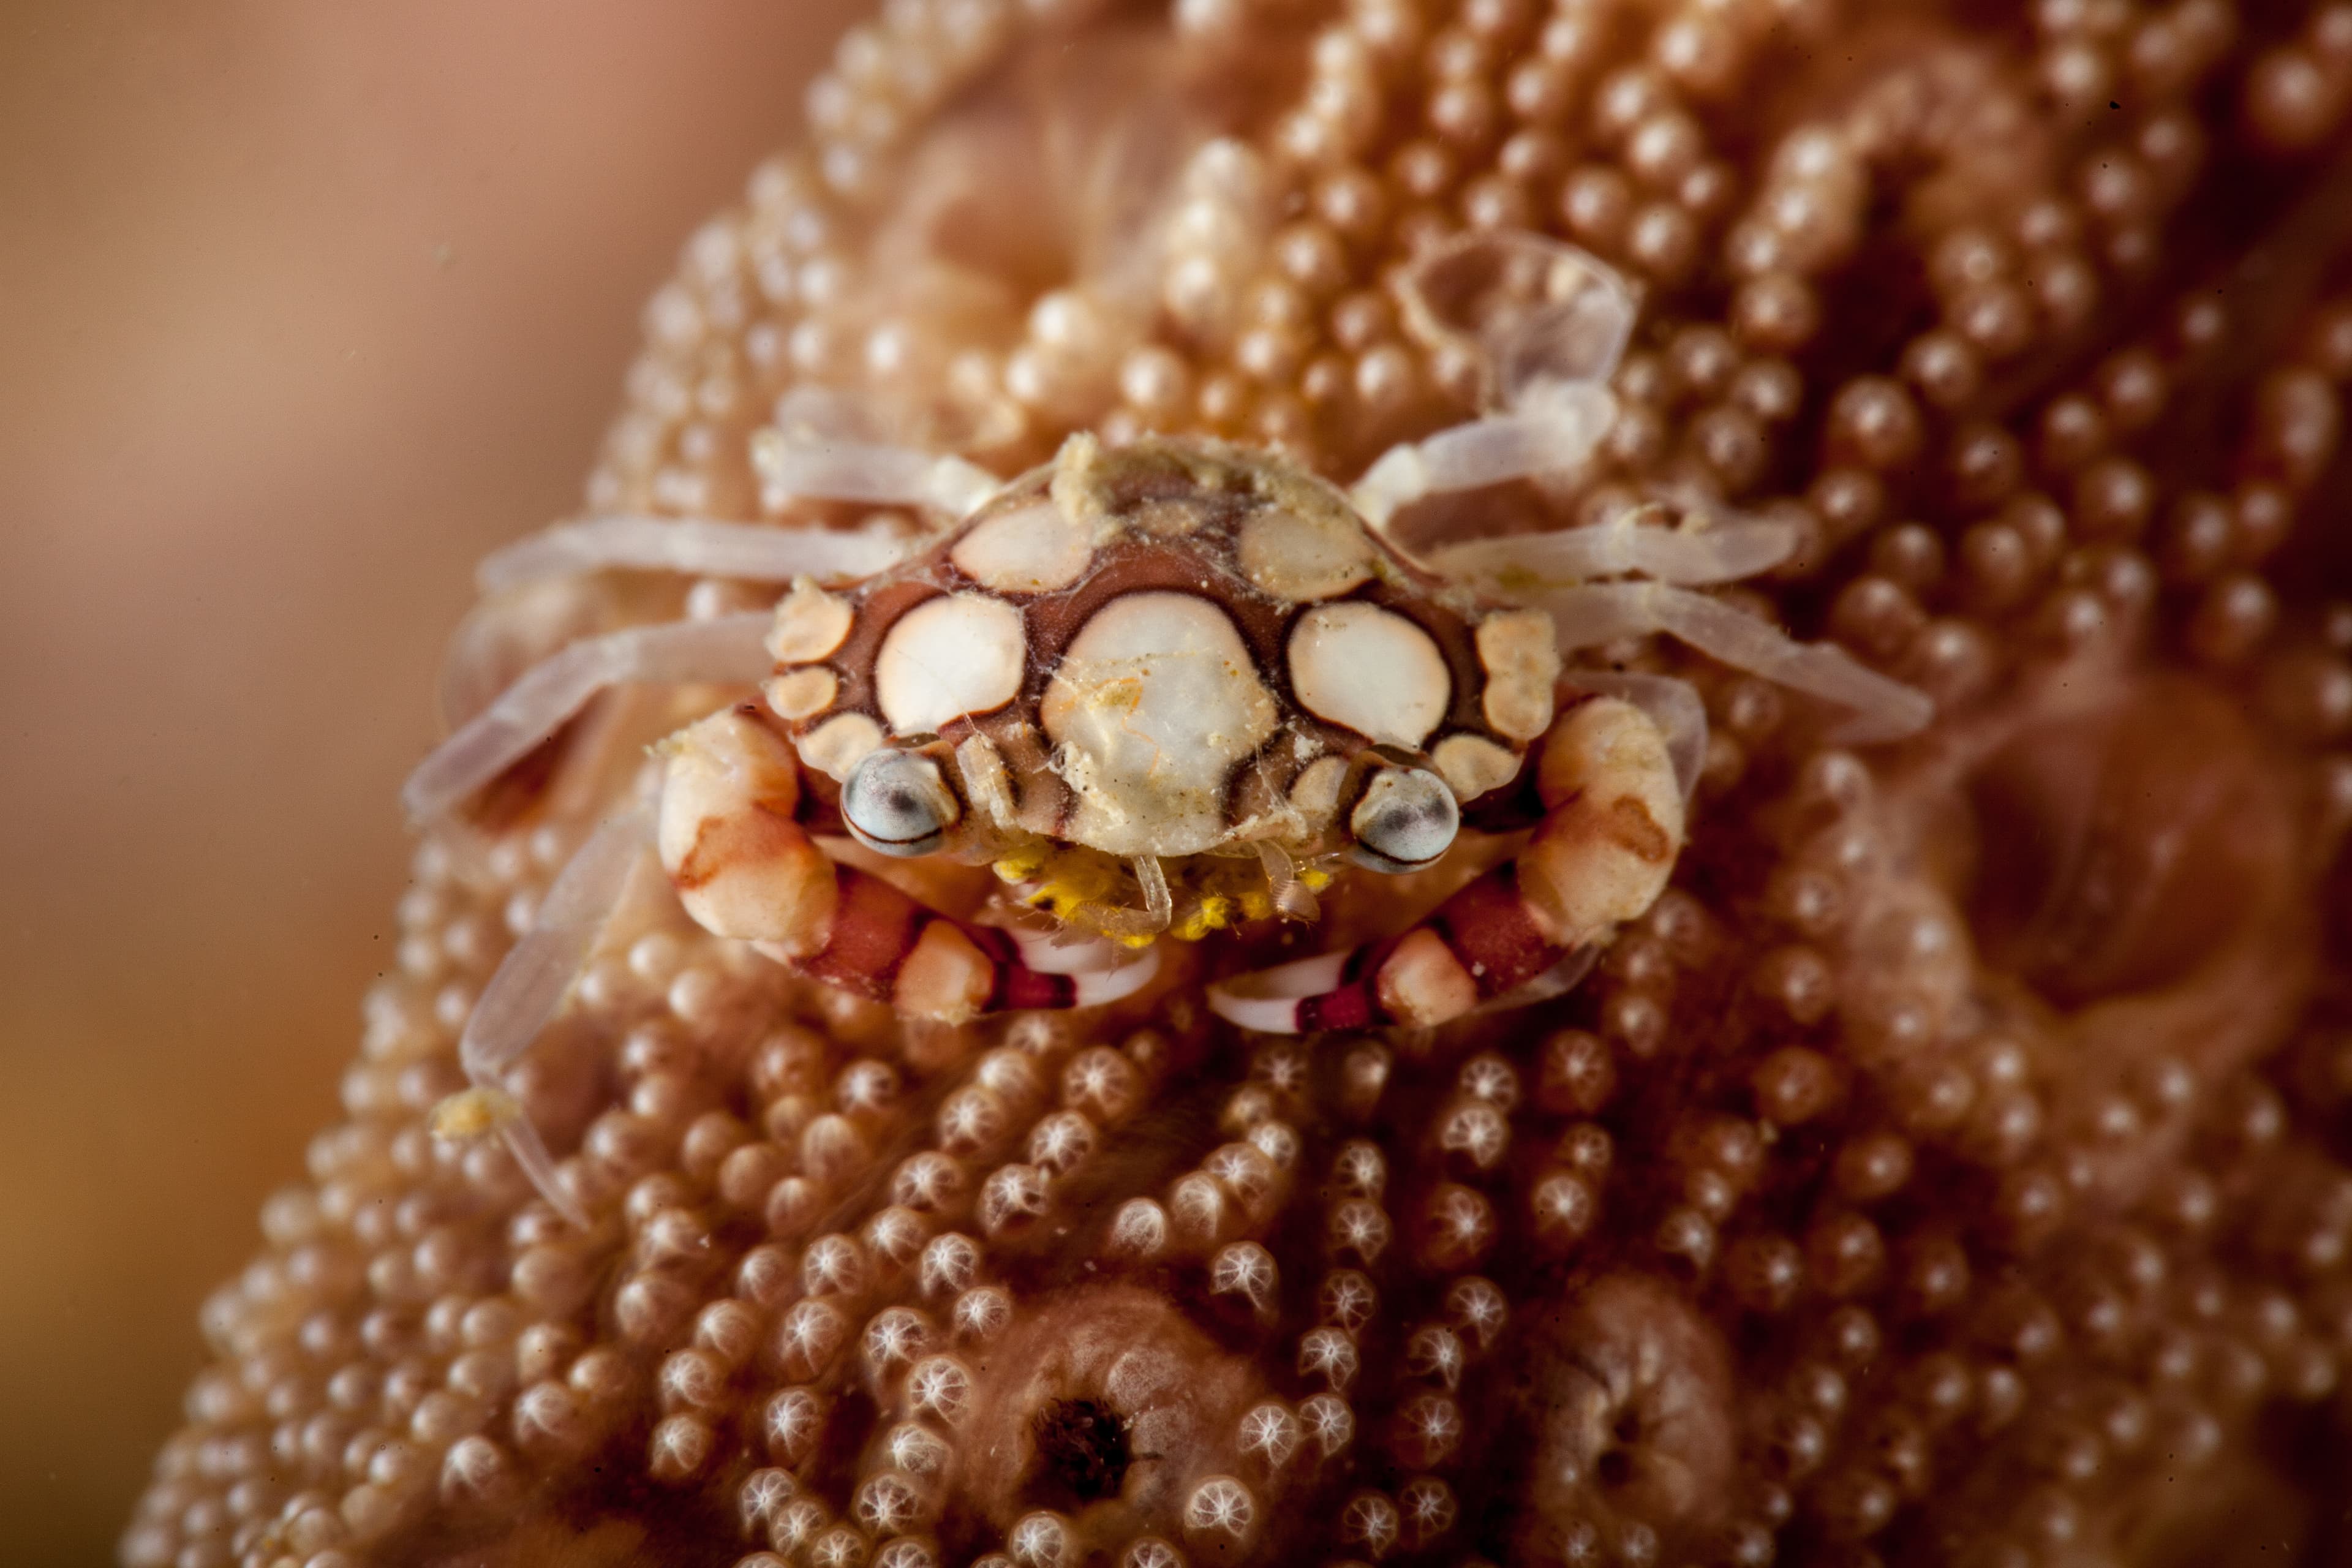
(1163, 688)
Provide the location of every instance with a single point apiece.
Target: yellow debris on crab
(1091, 891)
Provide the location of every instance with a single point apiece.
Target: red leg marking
(1487, 929)
(875, 926)
(874, 929)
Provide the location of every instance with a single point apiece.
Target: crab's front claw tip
(1095, 987)
(1056, 954)
(1096, 972)
(1290, 998)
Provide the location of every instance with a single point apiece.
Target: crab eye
(1406, 819)
(895, 802)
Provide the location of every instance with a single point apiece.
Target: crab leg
(1884, 708)
(540, 968)
(1723, 553)
(1551, 323)
(536, 973)
(1545, 434)
(887, 947)
(1672, 706)
(726, 648)
(747, 551)
(829, 468)
(1611, 829)
(745, 868)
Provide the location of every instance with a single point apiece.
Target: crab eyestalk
(1407, 818)
(896, 802)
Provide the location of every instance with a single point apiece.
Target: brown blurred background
(302, 307)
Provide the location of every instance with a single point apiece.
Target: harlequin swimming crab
(1163, 688)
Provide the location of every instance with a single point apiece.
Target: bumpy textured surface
(1951, 1169)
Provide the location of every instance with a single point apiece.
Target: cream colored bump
(1424, 983)
(1299, 555)
(1174, 516)
(839, 746)
(1371, 670)
(1471, 766)
(944, 977)
(986, 781)
(742, 868)
(802, 693)
(1029, 550)
(947, 658)
(810, 624)
(1156, 700)
(1315, 793)
(1076, 485)
(1520, 652)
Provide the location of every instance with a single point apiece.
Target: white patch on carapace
(1301, 555)
(1029, 550)
(956, 654)
(802, 693)
(810, 624)
(839, 746)
(1156, 700)
(1472, 764)
(1520, 652)
(1371, 670)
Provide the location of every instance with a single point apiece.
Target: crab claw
(1611, 830)
(1481, 945)
(1098, 970)
(883, 945)
(1317, 992)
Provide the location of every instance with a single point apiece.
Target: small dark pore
(1082, 1447)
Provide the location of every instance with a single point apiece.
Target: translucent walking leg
(1884, 708)
(747, 552)
(1539, 312)
(1725, 552)
(1549, 323)
(1553, 430)
(824, 467)
(726, 648)
(536, 973)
